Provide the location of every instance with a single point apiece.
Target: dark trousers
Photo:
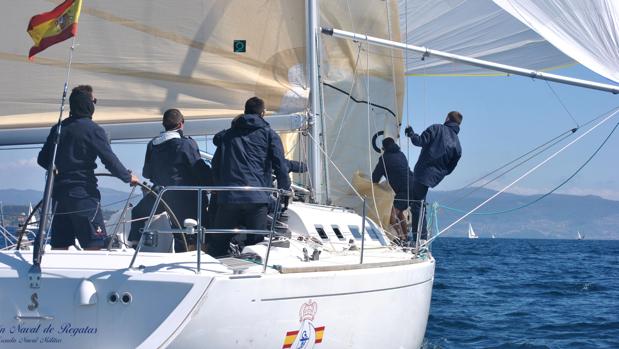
(419, 192)
(78, 218)
(236, 216)
(183, 205)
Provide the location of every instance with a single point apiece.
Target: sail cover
(144, 56)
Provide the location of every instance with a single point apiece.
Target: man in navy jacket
(76, 196)
(247, 154)
(172, 160)
(394, 166)
(440, 152)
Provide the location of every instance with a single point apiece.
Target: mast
(314, 114)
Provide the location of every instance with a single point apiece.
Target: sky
(504, 117)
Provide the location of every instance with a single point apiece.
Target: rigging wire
(597, 150)
(521, 177)
(562, 104)
(546, 146)
(542, 148)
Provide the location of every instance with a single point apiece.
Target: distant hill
(110, 198)
(556, 217)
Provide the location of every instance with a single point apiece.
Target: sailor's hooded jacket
(247, 154)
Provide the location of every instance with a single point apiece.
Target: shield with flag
(49, 28)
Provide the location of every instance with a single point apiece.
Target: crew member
(440, 152)
(172, 160)
(394, 166)
(247, 155)
(76, 195)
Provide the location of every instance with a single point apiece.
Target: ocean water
(504, 293)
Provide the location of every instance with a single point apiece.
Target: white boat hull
(381, 305)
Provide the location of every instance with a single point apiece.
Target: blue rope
(545, 195)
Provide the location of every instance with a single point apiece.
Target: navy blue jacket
(172, 159)
(81, 142)
(440, 152)
(247, 154)
(394, 166)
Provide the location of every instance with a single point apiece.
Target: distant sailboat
(580, 237)
(493, 236)
(472, 234)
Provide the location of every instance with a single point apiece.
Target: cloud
(606, 193)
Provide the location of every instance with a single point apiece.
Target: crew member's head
(255, 105)
(173, 120)
(82, 102)
(388, 142)
(454, 116)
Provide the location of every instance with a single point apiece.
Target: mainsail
(145, 56)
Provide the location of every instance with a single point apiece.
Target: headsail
(526, 33)
(362, 91)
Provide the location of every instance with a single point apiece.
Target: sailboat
(471, 232)
(32, 223)
(335, 280)
(493, 236)
(580, 237)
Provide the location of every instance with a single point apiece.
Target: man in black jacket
(172, 160)
(247, 154)
(440, 152)
(394, 166)
(76, 196)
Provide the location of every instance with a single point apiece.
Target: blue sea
(505, 293)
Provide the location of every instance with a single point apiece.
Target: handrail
(200, 230)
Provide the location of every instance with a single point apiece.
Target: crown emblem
(308, 311)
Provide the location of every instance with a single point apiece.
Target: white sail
(32, 222)
(471, 232)
(143, 57)
(363, 92)
(535, 34)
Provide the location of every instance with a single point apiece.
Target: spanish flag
(52, 27)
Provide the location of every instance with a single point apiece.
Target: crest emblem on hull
(308, 334)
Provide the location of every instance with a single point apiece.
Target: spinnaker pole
(426, 52)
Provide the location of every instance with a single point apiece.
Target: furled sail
(144, 56)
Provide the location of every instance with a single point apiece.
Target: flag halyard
(49, 28)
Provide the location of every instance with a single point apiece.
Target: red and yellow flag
(52, 27)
